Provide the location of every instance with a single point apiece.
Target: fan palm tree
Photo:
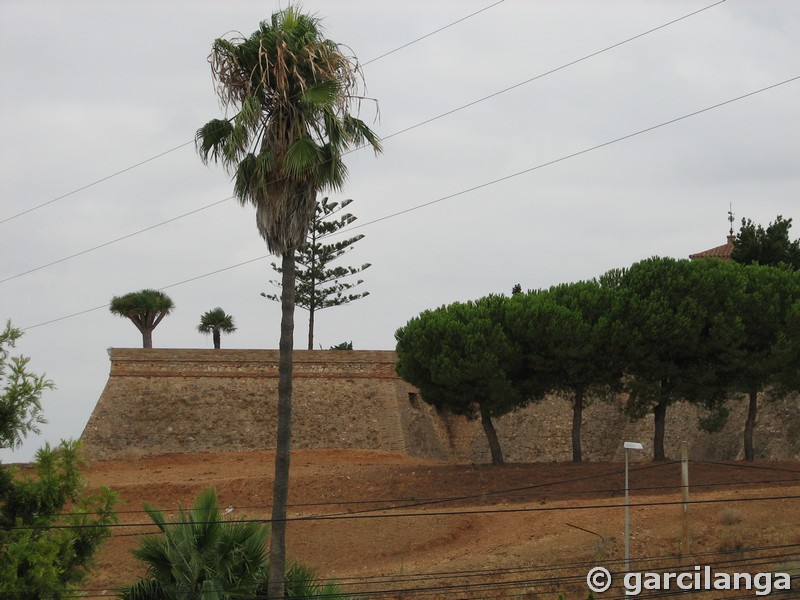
(145, 309)
(216, 322)
(201, 555)
(293, 90)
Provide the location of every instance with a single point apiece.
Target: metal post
(628, 446)
(627, 518)
(685, 489)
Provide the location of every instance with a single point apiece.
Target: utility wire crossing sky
(566, 138)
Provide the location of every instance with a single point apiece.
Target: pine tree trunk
(660, 414)
(491, 436)
(577, 419)
(216, 335)
(147, 338)
(280, 490)
(312, 299)
(750, 426)
(311, 327)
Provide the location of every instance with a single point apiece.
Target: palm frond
(294, 90)
(201, 556)
(211, 138)
(360, 134)
(216, 319)
(302, 158)
(145, 589)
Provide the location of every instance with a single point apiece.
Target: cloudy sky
(521, 186)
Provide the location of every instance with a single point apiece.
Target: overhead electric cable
(192, 141)
(396, 133)
(540, 572)
(725, 559)
(479, 495)
(474, 188)
(555, 70)
(119, 239)
(94, 183)
(431, 501)
(88, 310)
(568, 156)
(449, 513)
(434, 32)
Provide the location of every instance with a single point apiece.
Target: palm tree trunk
(750, 425)
(216, 335)
(577, 419)
(280, 490)
(491, 436)
(660, 414)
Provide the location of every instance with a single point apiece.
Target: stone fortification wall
(542, 433)
(160, 401)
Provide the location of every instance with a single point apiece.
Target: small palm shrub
(203, 556)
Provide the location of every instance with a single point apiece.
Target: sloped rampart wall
(161, 401)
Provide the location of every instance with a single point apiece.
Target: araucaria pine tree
(318, 285)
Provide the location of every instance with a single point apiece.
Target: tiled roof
(724, 252)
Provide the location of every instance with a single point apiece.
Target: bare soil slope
(398, 526)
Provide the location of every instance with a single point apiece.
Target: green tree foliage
(343, 346)
(765, 359)
(681, 333)
(565, 336)
(44, 551)
(145, 309)
(788, 348)
(202, 555)
(770, 246)
(293, 91)
(20, 402)
(461, 359)
(318, 285)
(216, 322)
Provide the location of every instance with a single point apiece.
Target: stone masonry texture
(163, 401)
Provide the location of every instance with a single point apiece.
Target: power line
(434, 32)
(94, 183)
(479, 186)
(555, 70)
(114, 241)
(192, 141)
(430, 514)
(190, 279)
(449, 499)
(573, 155)
(396, 133)
(725, 560)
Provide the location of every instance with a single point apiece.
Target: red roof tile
(724, 252)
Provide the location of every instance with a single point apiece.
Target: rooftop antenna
(730, 218)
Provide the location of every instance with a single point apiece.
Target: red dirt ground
(404, 528)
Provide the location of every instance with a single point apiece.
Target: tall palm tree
(145, 309)
(293, 90)
(216, 322)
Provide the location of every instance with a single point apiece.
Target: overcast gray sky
(92, 88)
